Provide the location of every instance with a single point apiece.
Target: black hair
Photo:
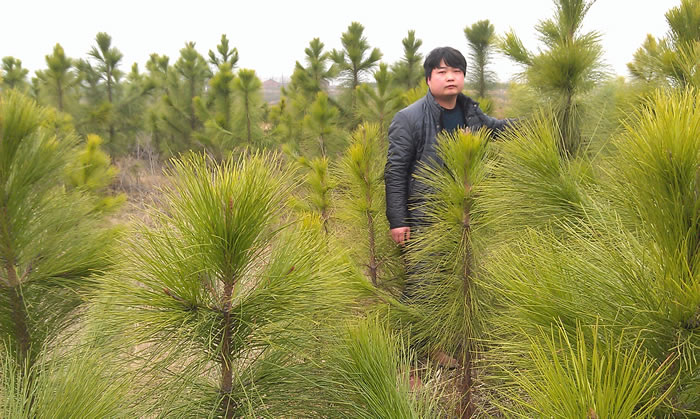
(449, 55)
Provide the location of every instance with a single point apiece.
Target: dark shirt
(453, 119)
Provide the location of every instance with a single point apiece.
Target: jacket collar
(436, 110)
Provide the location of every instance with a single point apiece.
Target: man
(413, 136)
(413, 139)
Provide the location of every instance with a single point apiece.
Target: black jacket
(412, 140)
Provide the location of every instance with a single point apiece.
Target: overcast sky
(271, 35)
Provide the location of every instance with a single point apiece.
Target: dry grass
(142, 182)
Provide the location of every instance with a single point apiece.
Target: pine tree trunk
(321, 143)
(191, 106)
(227, 405)
(482, 78)
(59, 94)
(19, 314)
(568, 140)
(371, 234)
(372, 250)
(111, 125)
(247, 118)
(466, 405)
(19, 318)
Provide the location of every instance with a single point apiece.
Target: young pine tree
(91, 171)
(315, 193)
(222, 293)
(52, 246)
(627, 260)
(352, 64)
(445, 257)
(58, 79)
(13, 76)
(366, 375)
(226, 54)
(107, 59)
(481, 39)
(380, 103)
(321, 125)
(217, 110)
(361, 205)
(408, 72)
(672, 60)
(317, 69)
(184, 82)
(248, 90)
(566, 70)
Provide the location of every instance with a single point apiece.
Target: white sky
(271, 35)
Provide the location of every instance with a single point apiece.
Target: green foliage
(606, 377)
(644, 62)
(287, 125)
(248, 87)
(321, 125)
(95, 112)
(299, 95)
(154, 86)
(79, 385)
(379, 103)
(610, 104)
(231, 111)
(414, 94)
(624, 256)
(315, 193)
(107, 59)
(217, 110)
(443, 257)
(221, 288)
(352, 64)
(317, 69)
(92, 172)
(227, 55)
(532, 184)
(566, 70)
(481, 39)
(655, 179)
(132, 111)
(368, 375)
(58, 78)
(597, 275)
(13, 76)
(183, 83)
(361, 205)
(355, 59)
(672, 60)
(51, 246)
(486, 105)
(408, 72)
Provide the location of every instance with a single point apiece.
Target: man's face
(446, 81)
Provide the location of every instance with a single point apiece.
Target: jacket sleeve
(397, 172)
(494, 124)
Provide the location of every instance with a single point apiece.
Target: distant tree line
(207, 102)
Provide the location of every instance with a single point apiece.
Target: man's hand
(400, 235)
